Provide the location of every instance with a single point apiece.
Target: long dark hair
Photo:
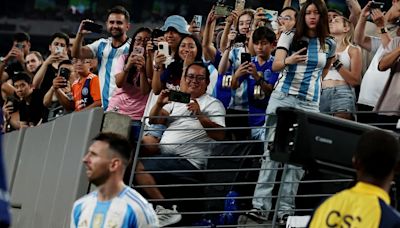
(176, 66)
(133, 70)
(322, 26)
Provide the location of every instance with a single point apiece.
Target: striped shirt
(239, 99)
(304, 79)
(128, 210)
(107, 57)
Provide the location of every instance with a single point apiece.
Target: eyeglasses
(284, 18)
(141, 39)
(192, 77)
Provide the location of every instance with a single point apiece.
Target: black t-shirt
(34, 111)
(47, 82)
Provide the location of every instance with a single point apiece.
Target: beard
(116, 33)
(100, 179)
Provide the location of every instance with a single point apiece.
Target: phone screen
(245, 57)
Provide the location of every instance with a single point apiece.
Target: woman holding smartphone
(189, 50)
(299, 87)
(133, 85)
(338, 95)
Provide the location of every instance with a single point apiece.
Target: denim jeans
(338, 99)
(263, 190)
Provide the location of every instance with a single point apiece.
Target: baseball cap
(177, 22)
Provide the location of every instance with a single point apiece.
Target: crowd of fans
(243, 62)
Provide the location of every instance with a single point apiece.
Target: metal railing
(243, 201)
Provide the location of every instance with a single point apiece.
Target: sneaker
(282, 220)
(257, 214)
(167, 217)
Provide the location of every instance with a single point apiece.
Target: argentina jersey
(127, 210)
(239, 99)
(107, 57)
(304, 79)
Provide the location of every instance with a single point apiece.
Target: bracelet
(156, 67)
(337, 64)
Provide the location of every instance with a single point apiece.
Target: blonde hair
(348, 38)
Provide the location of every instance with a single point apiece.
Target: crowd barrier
(45, 176)
(44, 168)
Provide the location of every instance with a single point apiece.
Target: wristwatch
(383, 30)
(2, 59)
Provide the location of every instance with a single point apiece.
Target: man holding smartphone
(203, 111)
(107, 51)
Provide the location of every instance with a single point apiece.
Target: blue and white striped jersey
(239, 99)
(304, 79)
(129, 209)
(107, 57)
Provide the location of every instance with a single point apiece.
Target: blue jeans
(338, 99)
(263, 190)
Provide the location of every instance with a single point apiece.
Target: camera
(178, 96)
(93, 27)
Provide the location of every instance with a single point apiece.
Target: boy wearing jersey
(85, 90)
(260, 78)
(107, 51)
(113, 204)
(367, 204)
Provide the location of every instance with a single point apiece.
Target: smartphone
(197, 20)
(163, 48)
(222, 10)
(300, 44)
(93, 27)
(377, 5)
(245, 57)
(19, 46)
(65, 72)
(239, 5)
(240, 38)
(14, 102)
(271, 15)
(59, 50)
(138, 50)
(178, 96)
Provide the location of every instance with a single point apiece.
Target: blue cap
(177, 22)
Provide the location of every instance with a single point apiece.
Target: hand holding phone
(65, 73)
(163, 48)
(92, 27)
(138, 50)
(178, 96)
(245, 57)
(300, 44)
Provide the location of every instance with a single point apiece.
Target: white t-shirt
(209, 106)
(374, 80)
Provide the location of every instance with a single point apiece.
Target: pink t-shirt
(128, 100)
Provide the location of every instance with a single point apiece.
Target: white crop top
(344, 57)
